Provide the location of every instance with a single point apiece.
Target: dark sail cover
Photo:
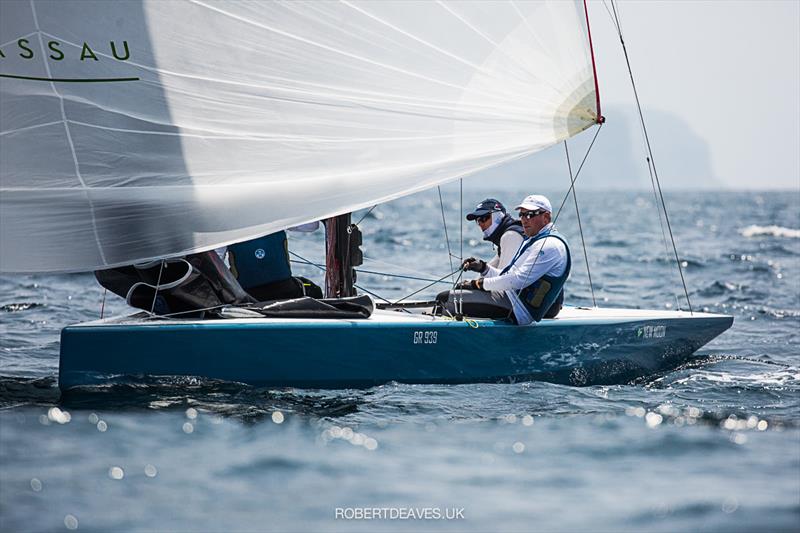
(196, 282)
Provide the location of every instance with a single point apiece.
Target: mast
(342, 255)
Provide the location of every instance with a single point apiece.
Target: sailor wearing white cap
(533, 282)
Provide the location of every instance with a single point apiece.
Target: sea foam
(773, 231)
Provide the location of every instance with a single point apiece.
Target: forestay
(142, 129)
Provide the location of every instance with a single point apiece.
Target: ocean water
(713, 445)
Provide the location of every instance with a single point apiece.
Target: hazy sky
(730, 69)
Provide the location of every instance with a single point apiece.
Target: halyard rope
(446, 236)
(650, 154)
(563, 201)
(580, 227)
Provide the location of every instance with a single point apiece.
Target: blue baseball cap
(490, 205)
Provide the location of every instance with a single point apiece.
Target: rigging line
(661, 223)
(237, 306)
(366, 214)
(354, 284)
(306, 261)
(614, 22)
(158, 285)
(580, 226)
(578, 172)
(397, 276)
(401, 267)
(461, 219)
(361, 271)
(202, 310)
(652, 159)
(563, 201)
(429, 285)
(349, 245)
(103, 304)
(379, 297)
(444, 223)
(460, 308)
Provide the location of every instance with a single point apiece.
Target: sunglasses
(531, 214)
(484, 218)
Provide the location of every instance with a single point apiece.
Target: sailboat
(141, 130)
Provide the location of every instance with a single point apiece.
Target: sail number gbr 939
(425, 337)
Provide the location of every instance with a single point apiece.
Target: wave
(20, 306)
(685, 261)
(17, 391)
(735, 292)
(611, 243)
(770, 231)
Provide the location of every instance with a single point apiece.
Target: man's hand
(472, 285)
(475, 265)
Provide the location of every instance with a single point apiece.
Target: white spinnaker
(249, 117)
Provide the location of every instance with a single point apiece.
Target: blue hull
(363, 353)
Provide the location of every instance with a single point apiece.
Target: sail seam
(28, 128)
(69, 138)
(467, 24)
(538, 41)
(496, 45)
(505, 156)
(404, 99)
(490, 110)
(438, 49)
(31, 34)
(331, 49)
(414, 37)
(289, 138)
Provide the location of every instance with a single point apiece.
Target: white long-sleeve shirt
(545, 257)
(510, 242)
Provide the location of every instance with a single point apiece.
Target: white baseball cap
(534, 202)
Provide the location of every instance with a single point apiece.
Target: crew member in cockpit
(531, 286)
(499, 228)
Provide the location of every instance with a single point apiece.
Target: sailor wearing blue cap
(500, 229)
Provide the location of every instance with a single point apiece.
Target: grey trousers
(478, 304)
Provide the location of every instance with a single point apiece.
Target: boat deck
(569, 314)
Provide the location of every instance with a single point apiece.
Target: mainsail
(141, 129)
